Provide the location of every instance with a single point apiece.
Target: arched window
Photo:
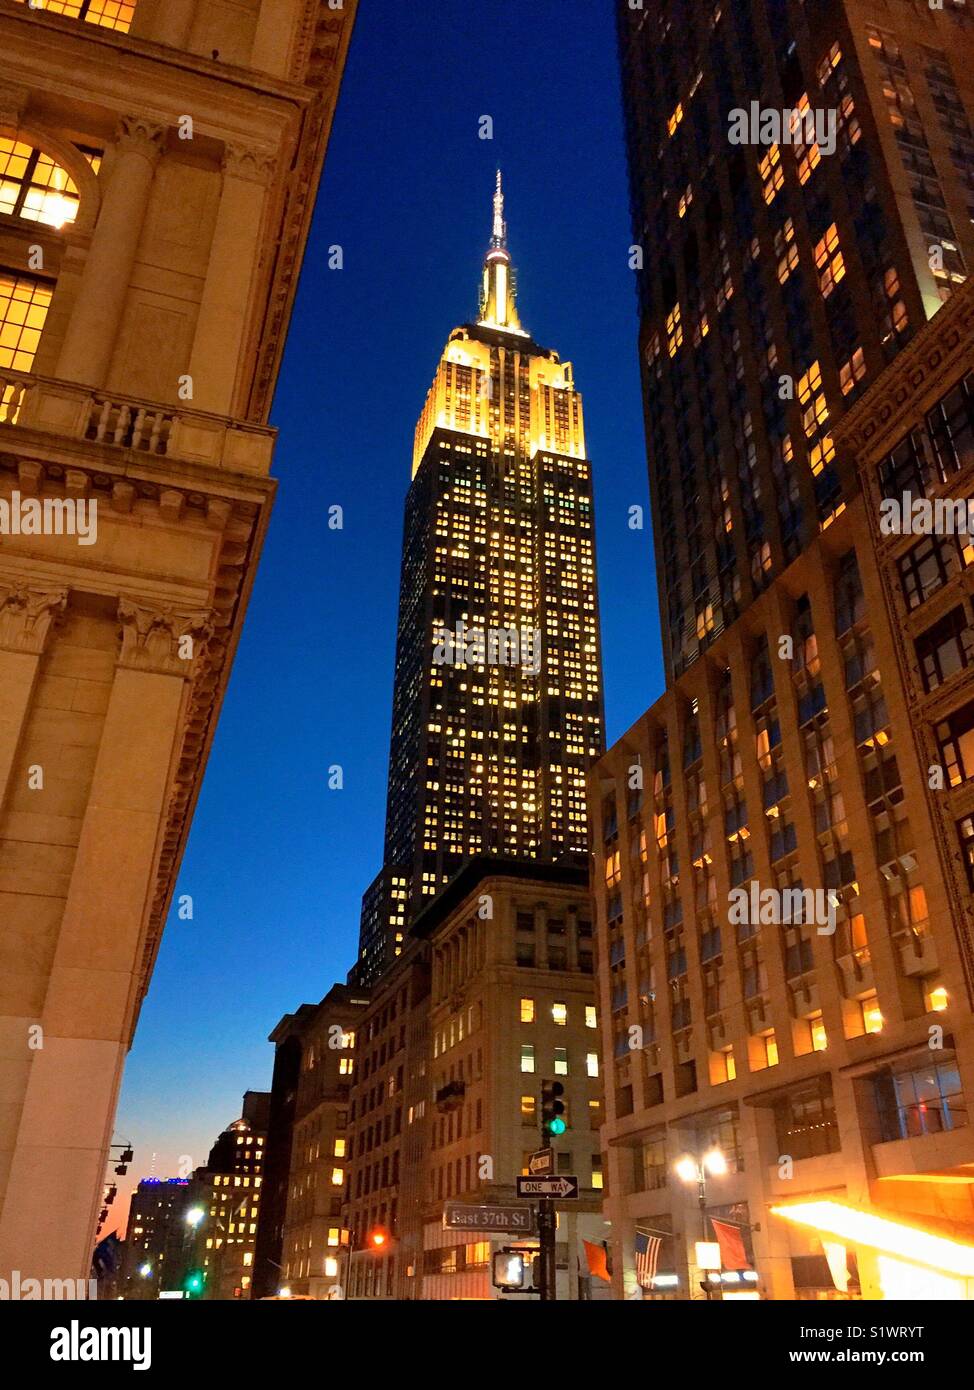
(110, 14)
(33, 187)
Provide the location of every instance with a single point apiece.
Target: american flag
(647, 1257)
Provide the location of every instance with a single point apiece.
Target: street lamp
(690, 1169)
(194, 1216)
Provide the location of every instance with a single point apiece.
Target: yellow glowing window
(937, 999)
(772, 174)
(559, 1014)
(675, 119)
(528, 1107)
(337, 1177)
(590, 1019)
(829, 262)
(597, 1179)
(613, 869)
(771, 1049)
(852, 371)
(331, 1266)
(829, 63)
(821, 454)
(816, 1027)
(33, 187)
(591, 1063)
(333, 1235)
(527, 1010)
(808, 156)
(730, 1066)
(674, 330)
(24, 303)
(339, 1148)
(109, 14)
(872, 1019)
(685, 200)
(345, 1065)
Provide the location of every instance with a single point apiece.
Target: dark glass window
(805, 1120)
(945, 648)
(951, 425)
(927, 566)
(955, 736)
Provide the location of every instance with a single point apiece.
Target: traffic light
(552, 1108)
(194, 1283)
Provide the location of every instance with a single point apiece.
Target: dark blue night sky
(276, 863)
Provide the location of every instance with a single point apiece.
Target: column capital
(249, 163)
(165, 640)
(27, 614)
(138, 135)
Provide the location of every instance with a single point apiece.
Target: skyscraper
(497, 703)
(780, 277)
(782, 883)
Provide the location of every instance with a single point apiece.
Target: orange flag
(732, 1253)
(597, 1264)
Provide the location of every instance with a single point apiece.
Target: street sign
(564, 1187)
(541, 1162)
(488, 1218)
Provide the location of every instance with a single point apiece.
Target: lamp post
(690, 1169)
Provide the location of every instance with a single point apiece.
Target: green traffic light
(194, 1282)
(556, 1125)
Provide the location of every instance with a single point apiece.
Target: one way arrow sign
(564, 1187)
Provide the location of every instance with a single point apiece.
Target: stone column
(223, 312)
(27, 614)
(59, 1159)
(97, 312)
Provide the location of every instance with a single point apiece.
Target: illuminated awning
(881, 1233)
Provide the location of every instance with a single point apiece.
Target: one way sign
(564, 1187)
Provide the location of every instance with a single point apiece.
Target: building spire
(498, 295)
(499, 237)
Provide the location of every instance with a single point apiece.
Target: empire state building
(497, 704)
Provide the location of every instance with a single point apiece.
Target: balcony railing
(71, 410)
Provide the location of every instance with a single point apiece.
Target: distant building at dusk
(231, 1190)
(497, 698)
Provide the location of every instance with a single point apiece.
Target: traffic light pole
(546, 1241)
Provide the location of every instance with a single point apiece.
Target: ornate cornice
(164, 640)
(885, 409)
(28, 614)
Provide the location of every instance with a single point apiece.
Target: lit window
(527, 1010)
(596, 1176)
(590, 1019)
(339, 1148)
(527, 1057)
(674, 330)
(331, 1266)
(592, 1063)
(559, 1013)
(109, 14)
(24, 303)
(248, 1258)
(816, 1026)
(852, 371)
(770, 1049)
(33, 187)
(675, 119)
(936, 999)
(872, 1019)
(772, 174)
(529, 1107)
(333, 1235)
(561, 1061)
(829, 262)
(345, 1066)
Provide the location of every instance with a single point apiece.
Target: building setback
(158, 163)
